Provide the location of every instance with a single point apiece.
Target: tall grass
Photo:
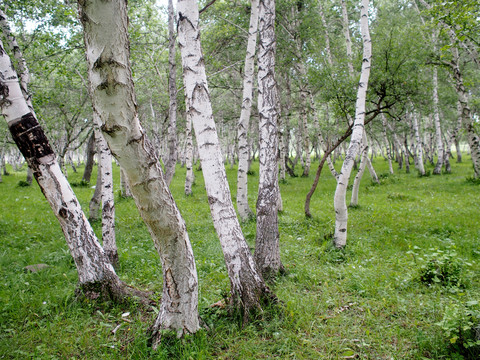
(365, 302)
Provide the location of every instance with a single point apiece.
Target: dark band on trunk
(30, 138)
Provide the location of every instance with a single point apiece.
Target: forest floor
(405, 287)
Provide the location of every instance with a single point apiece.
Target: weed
(82, 183)
(473, 180)
(23, 183)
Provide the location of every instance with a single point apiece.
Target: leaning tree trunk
(108, 205)
(96, 275)
(113, 97)
(172, 93)
(341, 212)
(267, 245)
(244, 210)
(247, 285)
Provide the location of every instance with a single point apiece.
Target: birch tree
(244, 210)
(267, 245)
(172, 93)
(341, 212)
(248, 288)
(113, 98)
(95, 273)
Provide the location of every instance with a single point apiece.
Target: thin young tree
(244, 210)
(248, 288)
(111, 87)
(341, 212)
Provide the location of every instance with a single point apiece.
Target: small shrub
(473, 181)
(427, 173)
(442, 267)
(82, 183)
(396, 196)
(461, 327)
(23, 183)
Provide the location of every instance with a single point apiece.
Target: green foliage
(461, 328)
(82, 183)
(23, 183)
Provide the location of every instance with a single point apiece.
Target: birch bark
(113, 97)
(267, 245)
(190, 176)
(247, 284)
(419, 147)
(96, 275)
(243, 124)
(172, 93)
(90, 153)
(341, 212)
(108, 205)
(436, 117)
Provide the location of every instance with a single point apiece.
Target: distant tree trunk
(96, 200)
(90, 154)
(348, 41)
(172, 92)
(358, 177)
(267, 245)
(247, 286)
(438, 129)
(96, 275)
(190, 176)
(419, 148)
(341, 218)
(244, 210)
(124, 187)
(29, 175)
(108, 205)
(111, 87)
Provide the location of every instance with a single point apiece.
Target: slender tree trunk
(29, 175)
(190, 176)
(108, 205)
(172, 92)
(244, 210)
(90, 153)
(247, 285)
(438, 129)
(348, 41)
(341, 218)
(96, 200)
(124, 187)
(267, 245)
(113, 97)
(96, 275)
(358, 177)
(419, 150)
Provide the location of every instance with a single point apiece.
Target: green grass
(366, 301)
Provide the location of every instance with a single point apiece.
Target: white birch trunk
(124, 188)
(436, 119)
(341, 212)
(247, 285)
(95, 273)
(267, 244)
(108, 205)
(358, 177)
(172, 93)
(190, 176)
(419, 147)
(244, 210)
(96, 200)
(113, 97)
(348, 40)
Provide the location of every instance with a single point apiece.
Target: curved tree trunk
(95, 274)
(247, 285)
(172, 93)
(244, 210)
(113, 97)
(267, 244)
(341, 212)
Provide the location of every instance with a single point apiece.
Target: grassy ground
(366, 302)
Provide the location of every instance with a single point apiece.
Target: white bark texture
(172, 93)
(92, 265)
(244, 210)
(247, 285)
(96, 200)
(358, 177)
(419, 147)
(267, 245)
(113, 98)
(108, 205)
(124, 187)
(348, 40)
(436, 119)
(190, 176)
(341, 212)
(465, 113)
